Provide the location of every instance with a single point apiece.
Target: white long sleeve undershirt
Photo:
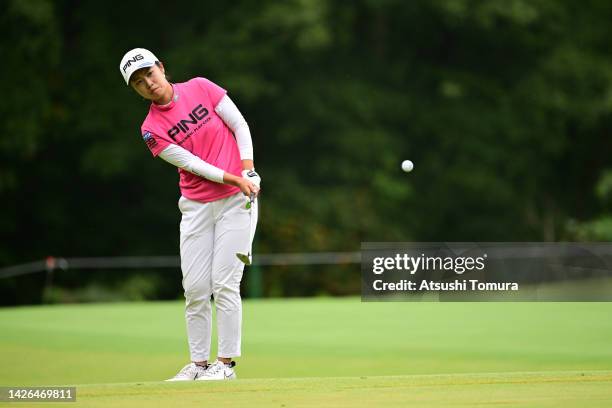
(228, 111)
(183, 158)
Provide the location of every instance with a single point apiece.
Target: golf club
(246, 258)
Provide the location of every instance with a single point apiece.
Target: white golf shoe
(190, 372)
(218, 371)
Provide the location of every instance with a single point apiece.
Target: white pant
(211, 235)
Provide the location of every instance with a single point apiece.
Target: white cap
(134, 60)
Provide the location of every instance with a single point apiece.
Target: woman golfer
(195, 126)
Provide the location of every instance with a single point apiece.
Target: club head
(244, 258)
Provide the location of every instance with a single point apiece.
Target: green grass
(558, 390)
(328, 352)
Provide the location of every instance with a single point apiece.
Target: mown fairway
(392, 354)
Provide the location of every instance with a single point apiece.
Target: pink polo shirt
(191, 122)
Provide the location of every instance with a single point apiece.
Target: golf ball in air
(407, 166)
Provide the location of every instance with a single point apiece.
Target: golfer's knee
(227, 298)
(196, 293)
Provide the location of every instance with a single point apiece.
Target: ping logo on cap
(136, 58)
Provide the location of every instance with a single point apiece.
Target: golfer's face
(149, 82)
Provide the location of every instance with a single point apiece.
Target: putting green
(334, 352)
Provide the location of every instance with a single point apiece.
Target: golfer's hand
(252, 176)
(246, 186)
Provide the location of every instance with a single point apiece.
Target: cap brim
(141, 66)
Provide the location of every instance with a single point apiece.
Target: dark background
(504, 106)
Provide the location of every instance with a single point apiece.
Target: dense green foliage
(503, 105)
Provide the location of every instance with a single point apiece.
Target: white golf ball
(407, 166)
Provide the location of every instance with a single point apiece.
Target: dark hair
(166, 73)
